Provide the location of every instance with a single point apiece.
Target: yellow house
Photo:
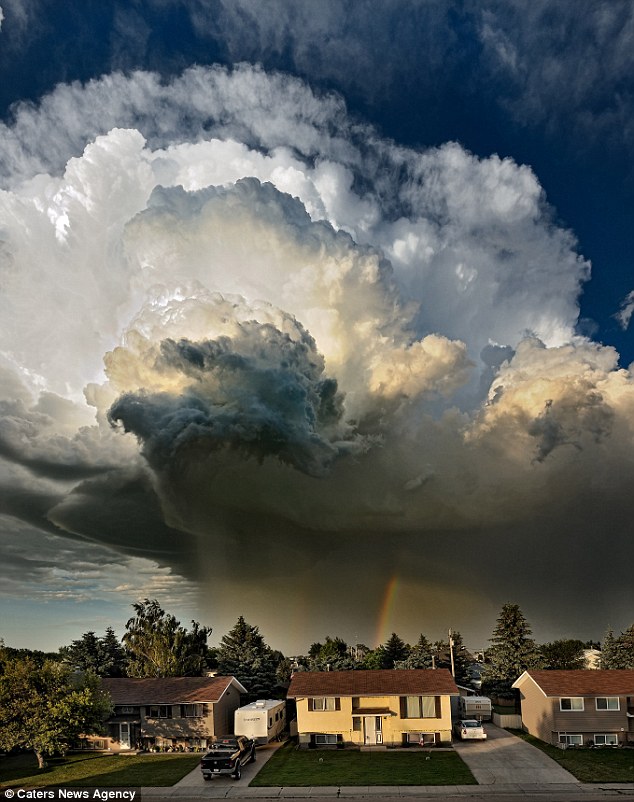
(369, 708)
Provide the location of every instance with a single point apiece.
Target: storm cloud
(269, 344)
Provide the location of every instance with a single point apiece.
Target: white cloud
(418, 310)
(624, 315)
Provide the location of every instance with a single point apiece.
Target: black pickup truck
(227, 756)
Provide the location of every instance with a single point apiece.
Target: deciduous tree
(564, 654)
(45, 707)
(158, 646)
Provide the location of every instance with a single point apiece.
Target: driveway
(505, 758)
(195, 778)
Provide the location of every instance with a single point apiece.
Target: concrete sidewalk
(573, 792)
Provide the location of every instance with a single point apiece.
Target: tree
(45, 707)
(618, 652)
(158, 646)
(104, 656)
(244, 654)
(333, 655)
(564, 654)
(419, 655)
(394, 651)
(512, 652)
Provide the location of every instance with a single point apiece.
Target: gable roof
(583, 682)
(385, 682)
(168, 690)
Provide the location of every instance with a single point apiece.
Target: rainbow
(383, 630)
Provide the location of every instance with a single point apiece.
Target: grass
(96, 770)
(589, 765)
(290, 766)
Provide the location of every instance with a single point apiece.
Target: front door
(373, 728)
(124, 735)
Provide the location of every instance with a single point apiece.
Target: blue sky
(440, 267)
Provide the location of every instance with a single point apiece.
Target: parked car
(469, 729)
(227, 756)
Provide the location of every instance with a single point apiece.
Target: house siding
(393, 727)
(175, 731)
(542, 715)
(537, 712)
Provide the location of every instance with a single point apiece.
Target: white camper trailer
(478, 707)
(264, 720)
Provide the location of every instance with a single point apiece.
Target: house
(175, 713)
(369, 708)
(578, 708)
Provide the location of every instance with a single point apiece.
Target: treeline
(48, 699)
(156, 644)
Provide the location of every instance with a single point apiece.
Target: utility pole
(453, 666)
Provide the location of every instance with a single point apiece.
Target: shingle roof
(414, 682)
(584, 682)
(168, 690)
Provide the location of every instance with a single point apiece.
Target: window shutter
(337, 703)
(438, 707)
(310, 703)
(403, 704)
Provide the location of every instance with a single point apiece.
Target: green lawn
(303, 767)
(589, 765)
(92, 770)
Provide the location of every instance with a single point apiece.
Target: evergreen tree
(512, 652)
(564, 654)
(45, 707)
(626, 647)
(420, 655)
(244, 654)
(158, 646)
(618, 652)
(608, 658)
(113, 655)
(104, 656)
(394, 651)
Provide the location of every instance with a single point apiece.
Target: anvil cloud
(249, 340)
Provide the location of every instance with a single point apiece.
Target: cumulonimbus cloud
(307, 328)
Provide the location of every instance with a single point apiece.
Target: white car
(469, 729)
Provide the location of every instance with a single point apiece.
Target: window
(420, 707)
(125, 709)
(356, 723)
(421, 738)
(608, 703)
(324, 703)
(191, 711)
(325, 739)
(160, 711)
(606, 739)
(571, 703)
(570, 740)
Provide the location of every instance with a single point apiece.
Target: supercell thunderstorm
(232, 315)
